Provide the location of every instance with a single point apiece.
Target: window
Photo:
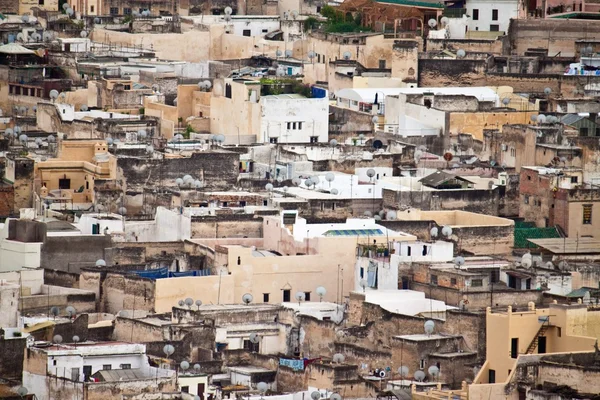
(185, 389)
(526, 199)
(494, 15)
(127, 11)
(494, 28)
(294, 126)
(64, 183)
(574, 179)
(228, 90)
(314, 139)
(307, 296)
(273, 140)
(91, 7)
(434, 279)
(265, 297)
(597, 131)
(476, 282)
(286, 295)
(289, 125)
(514, 347)
(453, 281)
(475, 14)
(381, 64)
(74, 374)
(114, 11)
(246, 32)
(106, 367)
(587, 214)
(248, 345)
(408, 251)
(421, 363)
(125, 366)
(558, 331)
(40, 2)
(265, 30)
(299, 125)
(492, 376)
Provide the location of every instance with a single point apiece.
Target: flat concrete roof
(569, 245)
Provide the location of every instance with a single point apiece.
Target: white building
(77, 362)
(493, 16)
(293, 118)
(240, 25)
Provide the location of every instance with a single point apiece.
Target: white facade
(438, 251)
(492, 15)
(240, 25)
(272, 337)
(289, 118)
(168, 226)
(9, 303)
(16, 255)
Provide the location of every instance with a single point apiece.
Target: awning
(16, 49)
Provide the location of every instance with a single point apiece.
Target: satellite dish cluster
(189, 302)
(188, 182)
(68, 10)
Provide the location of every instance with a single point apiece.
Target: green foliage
(338, 22)
(127, 19)
(188, 131)
(142, 111)
(17, 334)
(310, 23)
(275, 86)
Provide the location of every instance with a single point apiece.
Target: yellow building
(71, 175)
(511, 334)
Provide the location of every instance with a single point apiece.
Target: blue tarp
(163, 272)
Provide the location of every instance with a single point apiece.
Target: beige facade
(569, 328)
(25, 6)
(72, 174)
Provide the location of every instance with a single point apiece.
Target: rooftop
(369, 95)
(569, 245)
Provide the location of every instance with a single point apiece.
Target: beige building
(26, 6)
(294, 257)
(70, 176)
(513, 334)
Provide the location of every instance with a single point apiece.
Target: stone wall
(83, 251)
(476, 200)
(61, 278)
(229, 226)
(468, 45)
(7, 200)
(11, 362)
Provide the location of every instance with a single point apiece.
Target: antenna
(347, 55)
(189, 302)
(57, 339)
(300, 296)
(434, 232)
(315, 395)
(168, 349)
(391, 215)
(338, 358)
(419, 376)
(403, 371)
(434, 371)
(262, 387)
(198, 303)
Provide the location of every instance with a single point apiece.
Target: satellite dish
(432, 23)
(300, 296)
(288, 53)
(65, 6)
(419, 376)
(446, 231)
(321, 291)
(71, 311)
(371, 172)
(333, 142)
(377, 144)
(363, 284)
(296, 181)
(269, 187)
(84, 107)
(347, 55)
(76, 339)
(506, 101)
(168, 349)
(57, 339)
(228, 10)
(377, 217)
(54, 310)
(368, 214)
(97, 20)
(403, 371)
(122, 210)
(434, 371)
(247, 298)
(311, 54)
(461, 53)
(53, 94)
(391, 215)
(541, 118)
(429, 326)
(434, 232)
(184, 365)
(149, 149)
(197, 367)
(179, 182)
(278, 53)
(547, 91)
(563, 265)
(189, 302)
(335, 396)
(460, 261)
(254, 338)
(22, 391)
(338, 358)
(181, 303)
(526, 263)
(262, 387)
(315, 395)
(549, 265)
(83, 34)
(334, 191)
(381, 373)
(198, 303)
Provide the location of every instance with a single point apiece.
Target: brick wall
(7, 200)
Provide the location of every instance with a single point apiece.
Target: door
(87, 372)
(492, 376)
(514, 347)
(542, 345)
(290, 71)
(200, 392)
(286, 295)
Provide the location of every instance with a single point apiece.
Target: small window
(434, 279)
(91, 7)
(74, 374)
(106, 367)
(494, 15)
(587, 214)
(299, 125)
(475, 14)
(248, 345)
(574, 179)
(307, 296)
(125, 366)
(185, 389)
(314, 139)
(273, 140)
(476, 282)
(526, 199)
(246, 32)
(558, 331)
(114, 11)
(289, 125)
(381, 64)
(286, 295)
(422, 363)
(265, 297)
(64, 184)
(408, 251)
(453, 281)
(528, 178)
(40, 2)
(583, 131)
(127, 11)
(265, 30)
(494, 28)
(294, 126)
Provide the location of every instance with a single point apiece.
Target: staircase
(534, 343)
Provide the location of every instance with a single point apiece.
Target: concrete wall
(82, 251)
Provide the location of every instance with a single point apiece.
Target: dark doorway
(492, 376)
(286, 295)
(514, 347)
(542, 345)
